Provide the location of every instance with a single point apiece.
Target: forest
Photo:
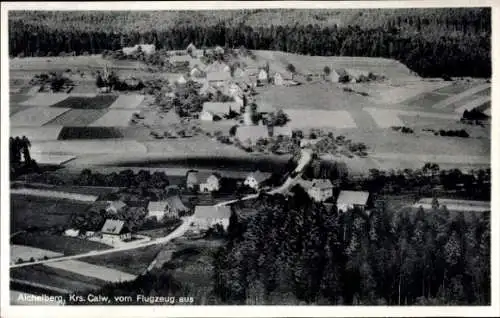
(298, 252)
(431, 42)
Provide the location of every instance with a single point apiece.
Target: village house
(217, 110)
(338, 76)
(285, 131)
(110, 207)
(115, 231)
(181, 80)
(263, 76)
(192, 182)
(357, 75)
(148, 49)
(218, 79)
(319, 190)
(72, 232)
(169, 208)
(248, 135)
(256, 179)
(207, 216)
(219, 50)
(348, 200)
(191, 49)
(211, 184)
(238, 72)
(196, 72)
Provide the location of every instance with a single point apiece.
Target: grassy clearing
(57, 243)
(78, 117)
(36, 116)
(315, 64)
(324, 96)
(45, 99)
(91, 270)
(127, 101)
(42, 213)
(132, 261)
(37, 133)
(114, 118)
(426, 100)
(456, 88)
(16, 108)
(98, 102)
(18, 98)
(83, 147)
(302, 119)
(27, 252)
(68, 133)
(45, 276)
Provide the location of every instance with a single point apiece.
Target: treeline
(298, 252)
(453, 44)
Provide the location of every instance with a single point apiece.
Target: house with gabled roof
(219, 50)
(206, 216)
(181, 80)
(191, 48)
(339, 75)
(321, 190)
(169, 208)
(256, 179)
(196, 72)
(263, 76)
(218, 78)
(115, 230)
(348, 200)
(212, 183)
(212, 110)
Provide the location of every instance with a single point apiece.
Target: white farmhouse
(211, 184)
(207, 216)
(348, 200)
(255, 179)
(115, 231)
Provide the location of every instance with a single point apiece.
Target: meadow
(31, 212)
(57, 243)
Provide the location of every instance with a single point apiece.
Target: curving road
(305, 159)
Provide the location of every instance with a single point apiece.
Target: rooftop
(353, 197)
(112, 226)
(322, 183)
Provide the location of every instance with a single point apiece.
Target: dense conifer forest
(431, 42)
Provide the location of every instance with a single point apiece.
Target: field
(98, 102)
(56, 278)
(131, 261)
(85, 147)
(27, 252)
(42, 213)
(456, 205)
(315, 64)
(90, 270)
(301, 119)
(37, 133)
(127, 101)
(114, 118)
(36, 116)
(78, 117)
(68, 133)
(45, 99)
(60, 244)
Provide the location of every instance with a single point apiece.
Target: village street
(304, 160)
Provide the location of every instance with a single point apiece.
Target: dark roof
(115, 227)
(175, 203)
(322, 183)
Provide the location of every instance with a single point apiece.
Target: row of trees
(298, 252)
(443, 46)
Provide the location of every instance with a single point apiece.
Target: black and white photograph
(248, 156)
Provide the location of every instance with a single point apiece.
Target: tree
(326, 71)
(291, 68)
